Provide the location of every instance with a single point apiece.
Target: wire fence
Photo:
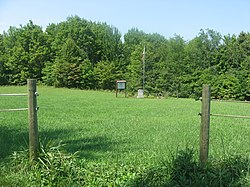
(14, 109)
(205, 121)
(32, 116)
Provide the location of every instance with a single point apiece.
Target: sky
(165, 17)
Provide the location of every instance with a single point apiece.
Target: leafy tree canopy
(77, 53)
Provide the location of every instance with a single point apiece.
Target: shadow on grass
(88, 147)
(184, 170)
(11, 140)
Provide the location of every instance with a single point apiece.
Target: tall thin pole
(143, 69)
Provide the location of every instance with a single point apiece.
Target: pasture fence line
(32, 117)
(205, 122)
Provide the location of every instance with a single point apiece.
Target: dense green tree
(3, 79)
(134, 70)
(134, 43)
(68, 67)
(26, 51)
(80, 31)
(153, 49)
(200, 62)
(99, 41)
(244, 79)
(105, 75)
(175, 63)
(77, 53)
(229, 56)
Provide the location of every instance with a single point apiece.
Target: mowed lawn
(103, 128)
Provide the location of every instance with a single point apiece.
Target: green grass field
(129, 131)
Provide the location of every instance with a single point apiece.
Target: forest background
(78, 53)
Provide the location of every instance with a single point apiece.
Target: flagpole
(143, 70)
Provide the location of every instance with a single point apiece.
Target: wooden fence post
(32, 117)
(205, 124)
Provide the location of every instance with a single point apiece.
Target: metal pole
(143, 69)
(32, 115)
(143, 84)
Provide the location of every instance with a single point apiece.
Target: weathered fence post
(205, 123)
(32, 117)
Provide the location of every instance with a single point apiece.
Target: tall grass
(126, 133)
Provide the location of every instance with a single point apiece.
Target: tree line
(77, 53)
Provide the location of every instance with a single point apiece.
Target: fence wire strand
(230, 116)
(230, 101)
(14, 94)
(13, 110)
